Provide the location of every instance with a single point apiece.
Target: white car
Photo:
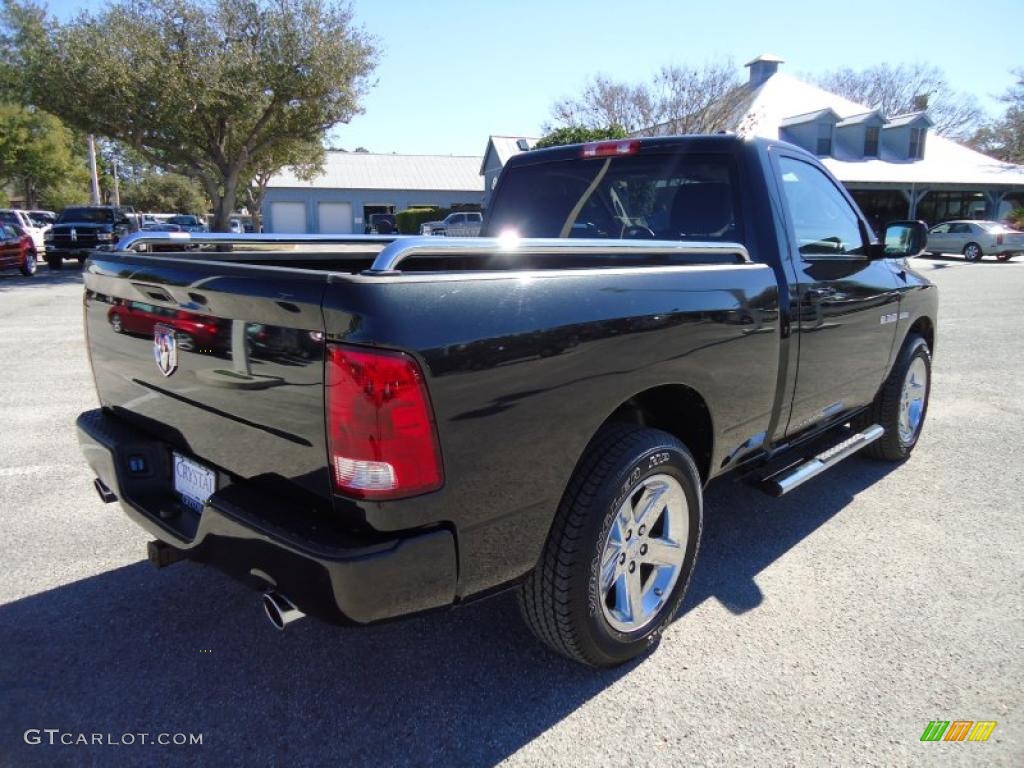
(975, 239)
(25, 221)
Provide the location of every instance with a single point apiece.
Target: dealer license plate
(193, 481)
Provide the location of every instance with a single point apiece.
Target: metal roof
(907, 119)
(769, 57)
(945, 161)
(861, 118)
(366, 170)
(809, 117)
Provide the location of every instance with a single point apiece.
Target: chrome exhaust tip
(106, 495)
(280, 610)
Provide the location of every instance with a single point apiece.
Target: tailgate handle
(154, 292)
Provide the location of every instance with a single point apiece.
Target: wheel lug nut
(629, 534)
(643, 529)
(632, 567)
(622, 558)
(643, 549)
(659, 592)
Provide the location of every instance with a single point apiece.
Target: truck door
(845, 305)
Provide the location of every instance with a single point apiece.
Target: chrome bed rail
(393, 250)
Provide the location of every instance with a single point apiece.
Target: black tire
(29, 267)
(561, 599)
(973, 252)
(54, 262)
(886, 408)
(116, 324)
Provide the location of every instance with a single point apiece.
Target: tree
(679, 99)
(204, 88)
(164, 192)
(1003, 138)
(577, 134)
(902, 88)
(38, 157)
(306, 159)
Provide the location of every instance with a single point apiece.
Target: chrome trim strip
(128, 242)
(395, 249)
(401, 249)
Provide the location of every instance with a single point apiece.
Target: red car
(17, 250)
(194, 332)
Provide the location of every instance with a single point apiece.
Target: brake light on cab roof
(611, 148)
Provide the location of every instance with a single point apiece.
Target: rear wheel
(29, 267)
(54, 262)
(902, 403)
(621, 549)
(972, 252)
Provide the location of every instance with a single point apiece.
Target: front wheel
(972, 252)
(29, 267)
(621, 550)
(902, 403)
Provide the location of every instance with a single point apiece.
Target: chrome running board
(788, 479)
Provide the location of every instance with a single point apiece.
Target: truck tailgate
(222, 361)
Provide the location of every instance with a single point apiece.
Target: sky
(452, 73)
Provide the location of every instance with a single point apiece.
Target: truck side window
(823, 221)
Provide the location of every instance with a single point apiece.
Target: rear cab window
(663, 196)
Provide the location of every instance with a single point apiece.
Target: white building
(499, 150)
(354, 185)
(895, 166)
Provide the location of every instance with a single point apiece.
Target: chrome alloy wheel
(644, 552)
(912, 400)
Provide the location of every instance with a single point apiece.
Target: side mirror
(902, 240)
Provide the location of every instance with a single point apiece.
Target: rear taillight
(380, 428)
(610, 148)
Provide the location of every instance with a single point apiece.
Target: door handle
(813, 294)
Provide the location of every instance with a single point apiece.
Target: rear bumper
(324, 570)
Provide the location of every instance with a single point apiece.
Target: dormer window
(871, 135)
(824, 138)
(917, 136)
(814, 131)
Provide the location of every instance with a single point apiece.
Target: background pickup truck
(459, 224)
(430, 419)
(80, 229)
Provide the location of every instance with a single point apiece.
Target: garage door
(288, 217)
(335, 218)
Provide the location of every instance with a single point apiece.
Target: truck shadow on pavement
(188, 650)
(11, 280)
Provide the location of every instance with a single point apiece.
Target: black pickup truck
(82, 228)
(399, 424)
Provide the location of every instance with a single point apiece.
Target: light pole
(92, 170)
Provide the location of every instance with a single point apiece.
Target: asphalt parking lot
(827, 627)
